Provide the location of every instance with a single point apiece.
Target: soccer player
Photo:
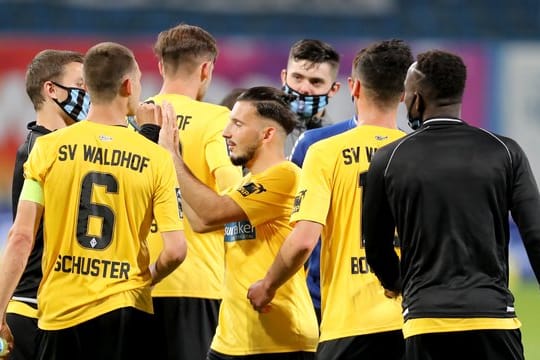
(187, 302)
(358, 321)
(255, 214)
(449, 188)
(98, 185)
(298, 156)
(310, 76)
(54, 84)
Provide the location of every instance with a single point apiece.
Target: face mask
(414, 122)
(77, 103)
(306, 106)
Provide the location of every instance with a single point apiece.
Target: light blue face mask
(306, 106)
(77, 103)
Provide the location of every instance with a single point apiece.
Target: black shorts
(297, 355)
(466, 345)
(121, 334)
(26, 335)
(388, 345)
(183, 328)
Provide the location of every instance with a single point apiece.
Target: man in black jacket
(449, 189)
(55, 86)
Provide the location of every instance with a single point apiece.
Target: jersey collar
(443, 121)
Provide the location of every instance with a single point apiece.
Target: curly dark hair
(381, 68)
(445, 75)
(272, 104)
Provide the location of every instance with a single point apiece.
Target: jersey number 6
(89, 209)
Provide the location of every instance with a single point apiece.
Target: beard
(243, 159)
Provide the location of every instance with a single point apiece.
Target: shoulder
(184, 103)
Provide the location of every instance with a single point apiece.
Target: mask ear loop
(414, 123)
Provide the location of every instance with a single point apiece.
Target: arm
(525, 207)
(210, 208)
(19, 245)
(173, 254)
(291, 257)
(379, 227)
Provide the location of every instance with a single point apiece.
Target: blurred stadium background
(498, 39)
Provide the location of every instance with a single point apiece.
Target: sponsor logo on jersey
(251, 188)
(179, 200)
(239, 230)
(298, 200)
(381, 137)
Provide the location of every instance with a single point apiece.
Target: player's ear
(283, 77)
(206, 70)
(334, 88)
(268, 133)
(160, 67)
(126, 87)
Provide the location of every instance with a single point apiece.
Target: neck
(448, 111)
(368, 114)
(266, 158)
(182, 86)
(50, 116)
(109, 114)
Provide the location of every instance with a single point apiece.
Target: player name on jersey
(105, 156)
(92, 267)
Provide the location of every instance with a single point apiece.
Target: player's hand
(148, 113)
(260, 295)
(5, 333)
(168, 135)
(390, 294)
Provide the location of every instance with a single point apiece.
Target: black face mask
(414, 122)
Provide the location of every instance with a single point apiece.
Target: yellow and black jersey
(204, 151)
(102, 187)
(251, 247)
(330, 193)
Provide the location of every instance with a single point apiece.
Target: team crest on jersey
(298, 200)
(251, 188)
(179, 200)
(381, 137)
(239, 230)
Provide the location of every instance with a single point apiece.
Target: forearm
(293, 254)
(164, 265)
(206, 204)
(286, 264)
(197, 224)
(12, 267)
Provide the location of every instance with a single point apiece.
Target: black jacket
(449, 188)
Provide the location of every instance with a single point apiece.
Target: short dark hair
(105, 65)
(231, 97)
(273, 104)
(382, 68)
(445, 74)
(185, 45)
(316, 52)
(47, 65)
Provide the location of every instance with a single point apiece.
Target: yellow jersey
(330, 193)
(204, 150)
(251, 247)
(102, 187)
